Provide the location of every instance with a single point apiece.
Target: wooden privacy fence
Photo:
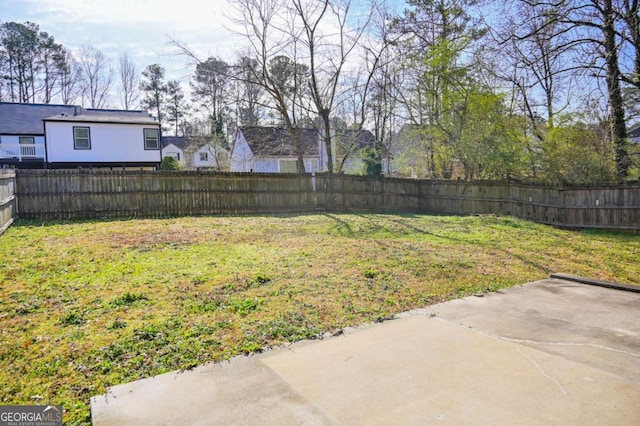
(7, 198)
(61, 194)
(56, 194)
(603, 207)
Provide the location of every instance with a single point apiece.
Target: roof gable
(278, 141)
(180, 142)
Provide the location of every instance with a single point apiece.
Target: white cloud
(182, 12)
(140, 27)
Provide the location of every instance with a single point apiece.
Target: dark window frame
(32, 138)
(157, 139)
(76, 138)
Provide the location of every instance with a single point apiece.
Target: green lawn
(86, 305)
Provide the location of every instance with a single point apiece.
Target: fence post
(7, 199)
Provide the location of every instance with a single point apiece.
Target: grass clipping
(87, 305)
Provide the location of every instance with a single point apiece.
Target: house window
(151, 139)
(204, 156)
(81, 138)
(288, 166)
(27, 146)
(26, 140)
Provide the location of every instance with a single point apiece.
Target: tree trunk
(616, 104)
(297, 144)
(326, 123)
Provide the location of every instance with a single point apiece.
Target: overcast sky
(139, 27)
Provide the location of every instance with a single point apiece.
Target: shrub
(170, 163)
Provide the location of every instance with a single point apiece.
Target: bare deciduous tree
(249, 93)
(267, 41)
(321, 35)
(70, 77)
(96, 77)
(128, 82)
(595, 26)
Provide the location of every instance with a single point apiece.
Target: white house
(173, 146)
(194, 153)
(102, 138)
(272, 150)
(22, 139)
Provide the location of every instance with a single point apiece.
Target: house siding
(211, 161)
(241, 156)
(109, 144)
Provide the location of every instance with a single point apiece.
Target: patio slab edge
(598, 283)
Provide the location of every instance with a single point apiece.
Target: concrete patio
(549, 352)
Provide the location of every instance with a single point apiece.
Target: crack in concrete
(541, 370)
(534, 342)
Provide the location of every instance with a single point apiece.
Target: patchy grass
(87, 305)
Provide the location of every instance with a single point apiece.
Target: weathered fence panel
(605, 207)
(66, 194)
(57, 194)
(7, 199)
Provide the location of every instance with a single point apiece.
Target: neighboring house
(193, 153)
(22, 139)
(71, 136)
(272, 150)
(174, 146)
(348, 146)
(102, 138)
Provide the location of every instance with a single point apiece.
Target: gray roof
(106, 116)
(634, 133)
(185, 143)
(103, 119)
(278, 142)
(356, 139)
(26, 119)
(178, 141)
